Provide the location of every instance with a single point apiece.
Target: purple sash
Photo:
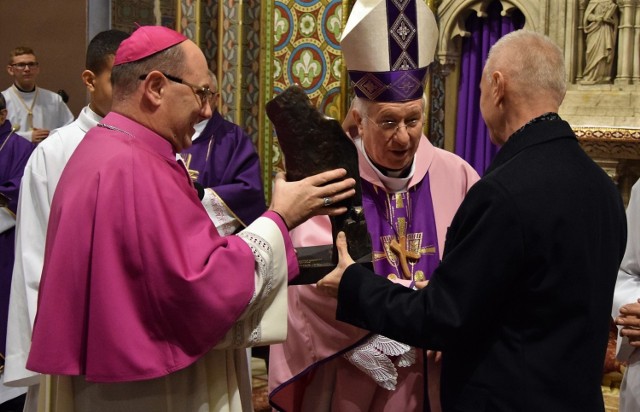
(392, 216)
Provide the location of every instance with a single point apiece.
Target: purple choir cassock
(137, 283)
(227, 162)
(14, 153)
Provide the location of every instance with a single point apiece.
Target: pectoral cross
(399, 247)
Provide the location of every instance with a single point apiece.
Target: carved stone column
(451, 72)
(636, 44)
(625, 41)
(582, 5)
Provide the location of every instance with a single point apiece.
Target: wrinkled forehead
(398, 108)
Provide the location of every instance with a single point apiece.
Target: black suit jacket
(521, 303)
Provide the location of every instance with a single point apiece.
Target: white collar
(392, 184)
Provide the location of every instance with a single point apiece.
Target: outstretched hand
(314, 195)
(330, 283)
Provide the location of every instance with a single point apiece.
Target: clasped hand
(38, 135)
(629, 319)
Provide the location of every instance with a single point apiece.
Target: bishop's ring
(327, 201)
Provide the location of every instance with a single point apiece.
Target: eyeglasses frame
(31, 65)
(392, 131)
(206, 96)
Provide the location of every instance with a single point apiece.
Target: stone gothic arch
(452, 15)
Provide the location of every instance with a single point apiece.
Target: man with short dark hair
(34, 111)
(40, 179)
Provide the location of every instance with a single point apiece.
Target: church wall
(611, 99)
(605, 102)
(258, 48)
(57, 31)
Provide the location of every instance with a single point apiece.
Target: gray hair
(125, 77)
(532, 61)
(361, 105)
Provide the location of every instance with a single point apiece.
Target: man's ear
(154, 85)
(358, 119)
(10, 70)
(349, 124)
(497, 88)
(88, 78)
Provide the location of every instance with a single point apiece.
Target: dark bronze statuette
(312, 143)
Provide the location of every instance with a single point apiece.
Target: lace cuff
(373, 358)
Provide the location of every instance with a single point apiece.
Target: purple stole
(396, 216)
(227, 161)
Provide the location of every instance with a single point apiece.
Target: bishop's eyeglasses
(203, 93)
(390, 127)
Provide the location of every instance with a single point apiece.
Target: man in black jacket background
(520, 305)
